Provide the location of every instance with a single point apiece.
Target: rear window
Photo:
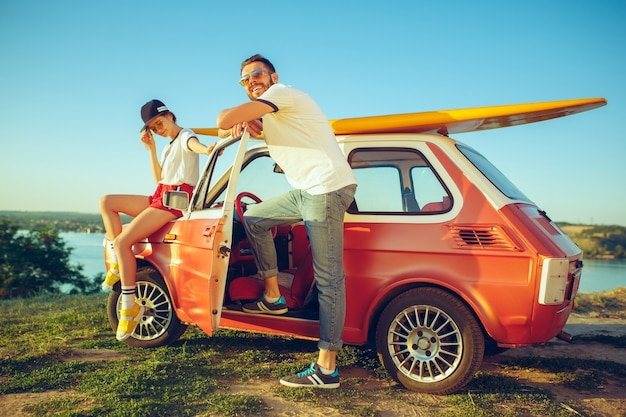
(396, 181)
(492, 173)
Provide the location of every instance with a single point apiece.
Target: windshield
(492, 173)
(216, 170)
(259, 175)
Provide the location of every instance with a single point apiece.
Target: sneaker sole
(271, 312)
(324, 386)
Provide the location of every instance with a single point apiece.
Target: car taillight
(553, 281)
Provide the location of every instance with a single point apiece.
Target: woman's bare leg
(110, 208)
(144, 224)
(112, 205)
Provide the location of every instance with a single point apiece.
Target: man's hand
(245, 115)
(255, 128)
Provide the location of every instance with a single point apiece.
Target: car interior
(391, 181)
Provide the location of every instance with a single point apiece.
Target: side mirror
(178, 200)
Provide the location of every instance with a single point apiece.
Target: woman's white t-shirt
(179, 164)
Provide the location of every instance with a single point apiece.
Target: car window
(497, 178)
(260, 176)
(396, 181)
(263, 178)
(218, 167)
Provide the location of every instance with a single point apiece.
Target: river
(598, 274)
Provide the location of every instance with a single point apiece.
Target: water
(87, 250)
(602, 275)
(598, 274)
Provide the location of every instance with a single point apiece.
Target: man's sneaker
(113, 275)
(128, 321)
(261, 306)
(313, 378)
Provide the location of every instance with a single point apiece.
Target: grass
(39, 336)
(602, 304)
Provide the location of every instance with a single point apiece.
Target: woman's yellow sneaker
(128, 321)
(113, 275)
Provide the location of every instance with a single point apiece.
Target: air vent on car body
(478, 237)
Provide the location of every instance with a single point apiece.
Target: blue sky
(74, 74)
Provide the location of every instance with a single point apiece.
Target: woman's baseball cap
(152, 110)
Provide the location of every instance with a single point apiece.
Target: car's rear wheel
(160, 325)
(429, 341)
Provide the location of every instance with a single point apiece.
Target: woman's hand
(148, 140)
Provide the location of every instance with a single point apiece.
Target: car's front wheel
(429, 341)
(159, 325)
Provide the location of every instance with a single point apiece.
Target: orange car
(444, 257)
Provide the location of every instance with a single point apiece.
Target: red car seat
(295, 289)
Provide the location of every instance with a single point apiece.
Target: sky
(74, 75)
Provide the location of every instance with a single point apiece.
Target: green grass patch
(40, 337)
(602, 304)
(497, 395)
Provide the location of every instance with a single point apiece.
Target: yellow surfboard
(208, 131)
(446, 122)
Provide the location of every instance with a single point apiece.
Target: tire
(429, 341)
(160, 325)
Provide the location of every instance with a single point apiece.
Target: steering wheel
(240, 207)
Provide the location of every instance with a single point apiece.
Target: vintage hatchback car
(444, 257)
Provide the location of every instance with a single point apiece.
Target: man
(302, 143)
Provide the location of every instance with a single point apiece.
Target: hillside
(605, 242)
(63, 221)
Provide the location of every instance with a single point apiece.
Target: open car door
(203, 241)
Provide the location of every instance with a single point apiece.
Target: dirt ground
(608, 400)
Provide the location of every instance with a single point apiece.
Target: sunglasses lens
(256, 74)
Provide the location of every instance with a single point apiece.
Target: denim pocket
(345, 196)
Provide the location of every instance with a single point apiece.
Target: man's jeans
(323, 219)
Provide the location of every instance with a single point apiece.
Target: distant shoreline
(596, 242)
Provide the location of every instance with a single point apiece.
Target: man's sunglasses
(254, 75)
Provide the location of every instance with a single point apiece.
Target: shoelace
(309, 371)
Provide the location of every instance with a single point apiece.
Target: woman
(177, 170)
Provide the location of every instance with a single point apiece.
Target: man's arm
(243, 113)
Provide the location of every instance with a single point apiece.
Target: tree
(37, 261)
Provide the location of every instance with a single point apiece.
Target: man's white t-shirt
(179, 164)
(302, 143)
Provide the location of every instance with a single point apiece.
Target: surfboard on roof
(445, 122)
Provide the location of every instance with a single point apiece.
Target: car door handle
(224, 250)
